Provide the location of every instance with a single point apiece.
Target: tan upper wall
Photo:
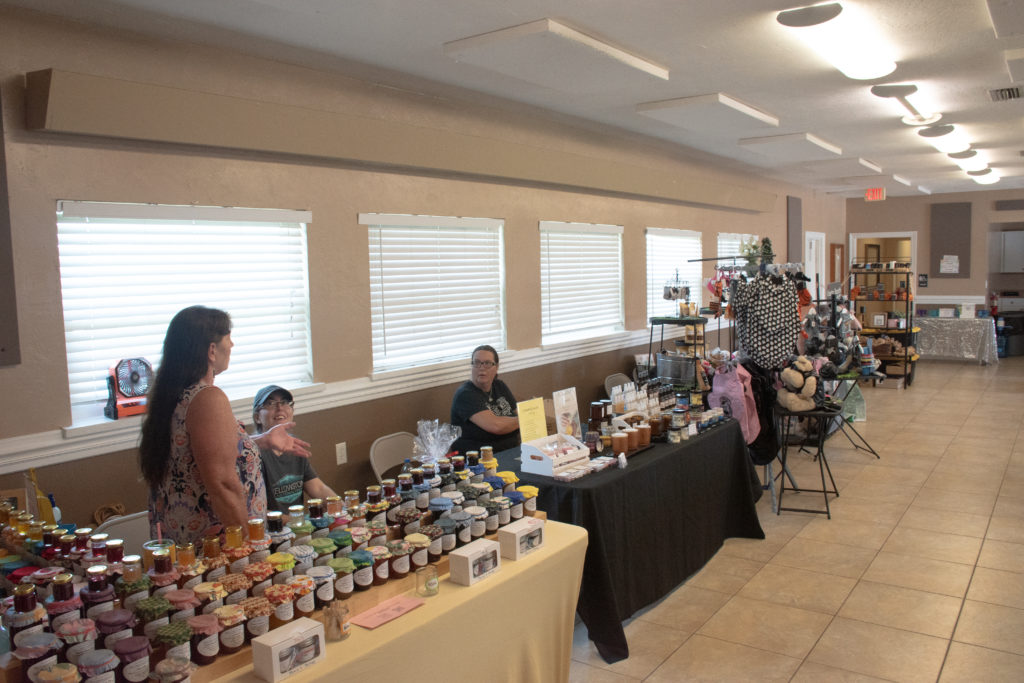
(46, 167)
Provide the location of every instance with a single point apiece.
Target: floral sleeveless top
(181, 502)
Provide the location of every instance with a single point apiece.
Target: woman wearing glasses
(287, 476)
(202, 469)
(484, 407)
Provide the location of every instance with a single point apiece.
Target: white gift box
(287, 649)
(474, 561)
(521, 538)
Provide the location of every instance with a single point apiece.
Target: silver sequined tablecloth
(957, 339)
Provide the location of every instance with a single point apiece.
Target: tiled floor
(918, 576)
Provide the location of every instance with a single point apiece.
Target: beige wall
(45, 167)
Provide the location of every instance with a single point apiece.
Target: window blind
(731, 244)
(436, 287)
(580, 280)
(126, 269)
(669, 251)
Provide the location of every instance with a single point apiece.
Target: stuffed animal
(799, 385)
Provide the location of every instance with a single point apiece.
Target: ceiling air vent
(1003, 94)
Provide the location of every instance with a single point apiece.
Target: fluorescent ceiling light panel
(1015, 63)
(714, 114)
(889, 182)
(1007, 17)
(792, 148)
(553, 55)
(844, 37)
(850, 166)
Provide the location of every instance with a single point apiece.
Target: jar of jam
(42, 578)
(419, 549)
(81, 537)
(323, 577)
(478, 516)
(463, 527)
(342, 540)
(282, 601)
(190, 570)
(362, 560)
(444, 470)
(98, 597)
(303, 533)
(257, 616)
(435, 550)
(491, 519)
(214, 558)
(354, 509)
(284, 566)
(360, 537)
(98, 666)
(61, 672)
(114, 557)
(335, 506)
(448, 534)
(36, 650)
(457, 498)
(304, 556)
(172, 670)
(324, 549)
(232, 625)
(458, 464)
(133, 584)
(256, 529)
(440, 507)
(211, 595)
(261, 574)
(378, 532)
(183, 603)
(296, 514)
(422, 492)
(237, 587)
(389, 495)
(344, 584)
(303, 588)
(529, 499)
(115, 625)
(79, 636)
(174, 640)
(381, 564)
(134, 655)
(205, 645)
(25, 615)
(400, 559)
(409, 521)
(152, 613)
(63, 605)
(406, 492)
(516, 504)
(235, 549)
(163, 576)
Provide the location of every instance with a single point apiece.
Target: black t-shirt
(468, 401)
(285, 476)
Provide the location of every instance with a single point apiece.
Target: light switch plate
(341, 453)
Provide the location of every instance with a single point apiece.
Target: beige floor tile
(812, 672)
(934, 545)
(758, 550)
(916, 461)
(880, 651)
(649, 646)
(783, 630)
(798, 588)
(956, 501)
(992, 626)
(922, 573)
(1007, 529)
(734, 566)
(881, 492)
(723, 583)
(824, 557)
(964, 664)
(997, 587)
(904, 608)
(584, 673)
(867, 510)
(947, 521)
(1002, 555)
(964, 481)
(889, 474)
(686, 608)
(781, 527)
(710, 659)
(1009, 506)
(848, 532)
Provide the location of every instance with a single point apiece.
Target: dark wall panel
(950, 236)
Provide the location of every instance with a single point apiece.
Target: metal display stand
(699, 342)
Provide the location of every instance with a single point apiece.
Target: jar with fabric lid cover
(261, 574)
(172, 670)
(205, 645)
(134, 655)
(232, 625)
(173, 640)
(183, 603)
(79, 637)
(152, 613)
(363, 575)
(282, 601)
(344, 583)
(257, 616)
(115, 625)
(303, 588)
(98, 666)
(63, 605)
(323, 578)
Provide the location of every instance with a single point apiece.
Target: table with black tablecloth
(653, 524)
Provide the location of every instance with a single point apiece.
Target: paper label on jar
(436, 546)
(361, 521)
(381, 570)
(215, 574)
(193, 582)
(233, 636)
(210, 606)
(151, 626)
(423, 500)
(40, 665)
(379, 517)
(364, 576)
(107, 677)
(183, 614)
(258, 589)
(321, 533)
(466, 534)
(304, 539)
(56, 621)
(360, 546)
(343, 551)
(392, 514)
(344, 584)
(531, 504)
(419, 558)
(517, 511)
(412, 527)
(209, 646)
(76, 650)
(492, 523)
(257, 626)
(409, 504)
(435, 492)
(165, 589)
(282, 577)
(129, 602)
(306, 603)
(237, 597)
(504, 516)
(96, 610)
(323, 560)
(260, 556)
(136, 671)
(112, 638)
(379, 540)
(184, 651)
(447, 487)
(402, 564)
(478, 527)
(238, 565)
(282, 546)
(302, 567)
(448, 542)
(325, 591)
(285, 611)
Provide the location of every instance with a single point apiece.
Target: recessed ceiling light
(988, 178)
(843, 38)
(969, 160)
(946, 138)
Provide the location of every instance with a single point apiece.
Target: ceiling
(720, 76)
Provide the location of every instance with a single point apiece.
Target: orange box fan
(127, 384)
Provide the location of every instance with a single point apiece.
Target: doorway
(814, 261)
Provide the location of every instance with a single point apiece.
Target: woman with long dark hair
(202, 469)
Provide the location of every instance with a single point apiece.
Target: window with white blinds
(580, 280)
(126, 269)
(668, 252)
(731, 244)
(437, 287)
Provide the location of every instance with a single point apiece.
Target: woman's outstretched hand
(278, 438)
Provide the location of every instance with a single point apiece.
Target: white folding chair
(388, 451)
(615, 380)
(132, 528)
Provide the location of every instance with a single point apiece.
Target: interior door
(814, 261)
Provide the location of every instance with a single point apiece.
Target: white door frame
(815, 241)
(912, 234)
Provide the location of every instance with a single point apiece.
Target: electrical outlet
(341, 453)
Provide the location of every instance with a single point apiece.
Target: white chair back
(133, 528)
(390, 450)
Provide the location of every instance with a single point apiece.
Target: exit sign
(874, 194)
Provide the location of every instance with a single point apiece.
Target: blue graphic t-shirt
(285, 475)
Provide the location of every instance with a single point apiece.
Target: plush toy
(799, 385)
